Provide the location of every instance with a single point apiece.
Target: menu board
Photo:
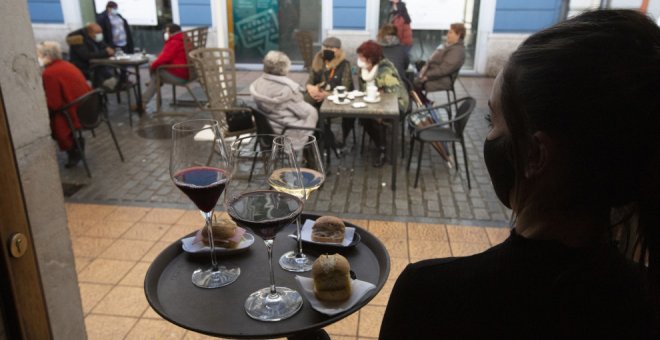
(136, 12)
(436, 14)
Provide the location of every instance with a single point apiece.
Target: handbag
(239, 120)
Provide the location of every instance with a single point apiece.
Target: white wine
(284, 180)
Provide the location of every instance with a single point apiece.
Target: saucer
(336, 101)
(359, 105)
(371, 100)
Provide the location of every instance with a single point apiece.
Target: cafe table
(127, 60)
(220, 312)
(387, 109)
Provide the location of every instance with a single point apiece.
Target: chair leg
(449, 106)
(419, 162)
(410, 152)
(173, 95)
(403, 140)
(453, 147)
(118, 98)
(254, 160)
(362, 143)
(130, 112)
(159, 96)
(83, 158)
(114, 138)
(465, 159)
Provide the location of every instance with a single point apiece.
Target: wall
(35, 153)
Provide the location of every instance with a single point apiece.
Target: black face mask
(497, 155)
(328, 55)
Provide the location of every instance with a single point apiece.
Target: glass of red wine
(253, 204)
(200, 168)
(284, 178)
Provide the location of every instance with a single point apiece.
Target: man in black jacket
(116, 32)
(86, 44)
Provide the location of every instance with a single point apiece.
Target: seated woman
(378, 71)
(63, 83)
(445, 61)
(282, 98)
(573, 150)
(174, 53)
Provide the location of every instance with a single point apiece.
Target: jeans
(165, 78)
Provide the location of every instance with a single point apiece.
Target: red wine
(265, 212)
(203, 185)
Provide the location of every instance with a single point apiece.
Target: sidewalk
(363, 193)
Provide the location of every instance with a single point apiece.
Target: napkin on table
(358, 290)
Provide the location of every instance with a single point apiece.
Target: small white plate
(199, 247)
(350, 239)
(371, 100)
(347, 101)
(356, 93)
(359, 105)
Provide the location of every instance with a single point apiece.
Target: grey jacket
(281, 98)
(443, 62)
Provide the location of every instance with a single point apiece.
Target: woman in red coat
(63, 83)
(174, 53)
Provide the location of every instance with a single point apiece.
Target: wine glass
(252, 204)
(199, 166)
(308, 157)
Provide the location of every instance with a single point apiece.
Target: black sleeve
(399, 318)
(86, 54)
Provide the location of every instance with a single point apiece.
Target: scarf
(369, 76)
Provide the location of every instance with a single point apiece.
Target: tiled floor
(114, 245)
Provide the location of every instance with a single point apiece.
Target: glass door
(258, 26)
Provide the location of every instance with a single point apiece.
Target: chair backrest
(90, 109)
(192, 40)
(217, 72)
(305, 41)
(264, 129)
(465, 109)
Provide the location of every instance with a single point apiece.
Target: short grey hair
(277, 63)
(50, 49)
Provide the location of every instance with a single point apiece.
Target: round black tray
(220, 311)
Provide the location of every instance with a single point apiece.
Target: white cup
(372, 92)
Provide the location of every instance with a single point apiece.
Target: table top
(128, 59)
(220, 311)
(388, 107)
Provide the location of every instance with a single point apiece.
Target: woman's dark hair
(459, 29)
(402, 10)
(385, 30)
(592, 83)
(173, 28)
(372, 51)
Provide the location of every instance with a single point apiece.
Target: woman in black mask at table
(574, 151)
(329, 70)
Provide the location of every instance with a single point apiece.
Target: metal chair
(449, 131)
(192, 40)
(264, 123)
(450, 90)
(217, 72)
(91, 111)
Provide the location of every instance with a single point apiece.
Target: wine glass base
(215, 279)
(296, 263)
(264, 306)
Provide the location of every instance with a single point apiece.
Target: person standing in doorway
(116, 32)
(400, 18)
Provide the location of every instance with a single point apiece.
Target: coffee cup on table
(341, 93)
(372, 92)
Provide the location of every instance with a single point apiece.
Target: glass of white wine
(308, 158)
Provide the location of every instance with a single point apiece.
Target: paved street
(354, 190)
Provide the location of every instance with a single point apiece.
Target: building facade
(253, 27)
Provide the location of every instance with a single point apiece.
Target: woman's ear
(542, 152)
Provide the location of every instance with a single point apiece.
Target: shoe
(74, 158)
(380, 160)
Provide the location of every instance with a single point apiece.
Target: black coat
(82, 48)
(104, 21)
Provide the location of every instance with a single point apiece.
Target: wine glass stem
(208, 216)
(300, 251)
(269, 248)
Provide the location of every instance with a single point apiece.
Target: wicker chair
(192, 40)
(217, 72)
(305, 42)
